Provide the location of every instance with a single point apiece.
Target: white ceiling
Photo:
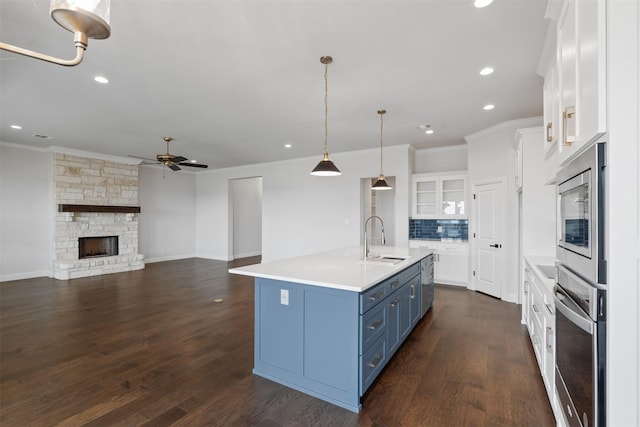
(233, 81)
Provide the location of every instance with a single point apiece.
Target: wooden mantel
(98, 208)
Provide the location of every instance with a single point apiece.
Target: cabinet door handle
(394, 284)
(413, 291)
(549, 309)
(549, 335)
(394, 303)
(535, 308)
(534, 338)
(375, 325)
(569, 114)
(549, 137)
(375, 361)
(376, 296)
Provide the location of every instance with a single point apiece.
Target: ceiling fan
(172, 161)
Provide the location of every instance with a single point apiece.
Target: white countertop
(534, 261)
(340, 269)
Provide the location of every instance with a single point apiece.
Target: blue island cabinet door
(308, 340)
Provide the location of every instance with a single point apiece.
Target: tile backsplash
(439, 229)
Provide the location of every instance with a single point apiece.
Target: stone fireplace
(96, 203)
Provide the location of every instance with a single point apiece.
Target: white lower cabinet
(450, 261)
(538, 313)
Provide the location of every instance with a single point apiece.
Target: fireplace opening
(93, 247)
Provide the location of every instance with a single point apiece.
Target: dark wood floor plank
(151, 347)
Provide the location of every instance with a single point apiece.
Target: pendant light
(326, 166)
(381, 183)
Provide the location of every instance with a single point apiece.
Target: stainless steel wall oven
(580, 349)
(581, 289)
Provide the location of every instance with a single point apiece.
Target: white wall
(247, 216)
(491, 155)
(26, 212)
(167, 224)
(538, 200)
(441, 159)
(301, 214)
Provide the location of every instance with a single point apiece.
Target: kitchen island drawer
(373, 325)
(403, 277)
(373, 296)
(372, 362)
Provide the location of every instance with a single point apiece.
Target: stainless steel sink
(384, 259)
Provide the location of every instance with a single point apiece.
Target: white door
(488, 238)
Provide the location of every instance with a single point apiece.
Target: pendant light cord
(381, 112)
(326, 109)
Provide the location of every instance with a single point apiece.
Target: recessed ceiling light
(287, 146)
(489, 107)
(482, 3)
(43, 136)
(101, 79)
(193, 161)
(16, 127)
(429, 131)
(486, 71)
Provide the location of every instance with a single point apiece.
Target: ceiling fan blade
(144, 158)
(178, 159)
(173, 167)
(194, 165)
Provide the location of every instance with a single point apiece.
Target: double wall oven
(580, 291)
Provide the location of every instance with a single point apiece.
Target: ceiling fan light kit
(381, 183)
(86, 19)
(326, 167)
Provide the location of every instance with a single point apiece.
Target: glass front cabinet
(438, 196)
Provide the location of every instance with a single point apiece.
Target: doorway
(378, 203)
(488, 215)
(246, 217)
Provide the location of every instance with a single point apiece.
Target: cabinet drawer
(373, 296)
(403, 277)
(372, 362)
(373, 325)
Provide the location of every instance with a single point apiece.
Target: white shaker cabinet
(438, 196)
(450, 260)
(581, 61)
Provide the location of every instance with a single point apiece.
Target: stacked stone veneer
(84, 181)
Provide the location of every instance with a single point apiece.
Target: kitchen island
(326, 324)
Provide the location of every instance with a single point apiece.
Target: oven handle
(577, 319)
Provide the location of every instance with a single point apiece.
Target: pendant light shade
(381, 183)
(326, 166)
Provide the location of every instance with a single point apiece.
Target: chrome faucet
(366, 241)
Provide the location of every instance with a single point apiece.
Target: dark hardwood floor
(151, 347)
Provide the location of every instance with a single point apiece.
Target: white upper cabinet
(581, 62)
(439, 196)
(551, 100)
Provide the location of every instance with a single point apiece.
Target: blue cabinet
(332, 343)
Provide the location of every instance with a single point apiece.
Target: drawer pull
(375, 361)
(375, 325)
(549, 335)
(534, 338)
(535, 308)
(549, 309)
(376, 295)
(549, 136)
(394, 303)
(394, 284)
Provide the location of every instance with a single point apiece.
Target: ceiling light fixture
(16, 127)
(486, 71)
(482, 3)
(429, 131)
(489, 107)
(326, 166)
(381, 183)
(101, 79)
(86, 19)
